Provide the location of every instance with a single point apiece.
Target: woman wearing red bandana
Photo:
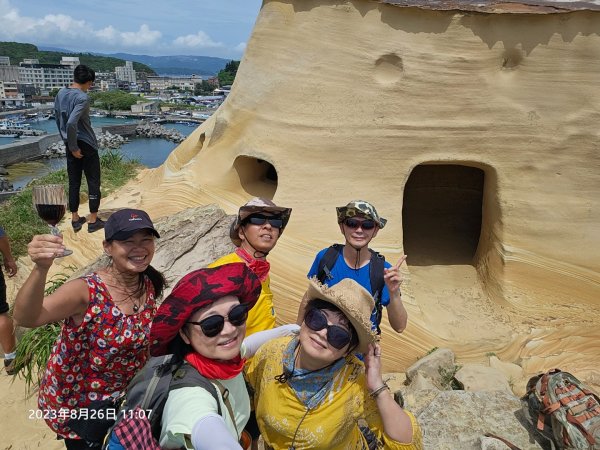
(203, 321)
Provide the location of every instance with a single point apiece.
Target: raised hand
(44, 248)
(373, 367)
(392, 276)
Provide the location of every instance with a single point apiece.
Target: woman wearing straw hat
(320, 388)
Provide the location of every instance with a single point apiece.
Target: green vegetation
(35, 346)
(17, 52)
(204, 88)
(227, 75)
(19, 219)
(448, 380)
(490, 354)
(114, 100)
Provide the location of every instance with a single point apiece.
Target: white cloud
(196, 41)
(66, 31)
(241, 47)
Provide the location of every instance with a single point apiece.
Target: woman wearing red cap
(203, 321)
(107, 315)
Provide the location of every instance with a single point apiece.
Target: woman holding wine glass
(106, 320)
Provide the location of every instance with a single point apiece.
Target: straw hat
(353, 300)
(253, 206)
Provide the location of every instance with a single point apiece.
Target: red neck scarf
(260, 267)
(215, 369)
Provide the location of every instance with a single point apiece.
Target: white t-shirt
(185, 406)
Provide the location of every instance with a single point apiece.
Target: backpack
(563, 410)
(138, 420)
(376, 267)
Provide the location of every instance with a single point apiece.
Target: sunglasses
(316, 320)
(213, 325)
(364, 224)
(258, 219)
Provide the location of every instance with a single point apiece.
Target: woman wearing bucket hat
(359, 222)
(203, 321)
(255, 231)
(107, 314)
(321, 389)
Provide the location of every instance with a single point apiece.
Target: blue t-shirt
(341, 270)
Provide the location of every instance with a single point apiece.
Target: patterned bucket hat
(257, 205)
(360, 208)
(195, 290)
(353, 300)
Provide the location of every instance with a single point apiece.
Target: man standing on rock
(72, 112)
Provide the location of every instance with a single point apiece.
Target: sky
(150, 27)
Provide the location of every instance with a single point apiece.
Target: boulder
(436, 366)
(459, 419)
(476, 377)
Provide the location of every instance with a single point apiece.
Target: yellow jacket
(262, 315)
(332, 425)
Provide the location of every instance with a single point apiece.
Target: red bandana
(260, 267)
(216, 369)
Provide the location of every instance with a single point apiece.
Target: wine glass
(51, 204)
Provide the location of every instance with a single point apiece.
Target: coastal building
(45, 76)
(125, 73)
(70, 61)
(8, 72)
(4, 61)
(145, 107)
(158, 84)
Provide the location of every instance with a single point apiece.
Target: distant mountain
(18, 51)
(54, 49)
(177, 65)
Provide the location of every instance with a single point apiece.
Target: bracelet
(379, 390)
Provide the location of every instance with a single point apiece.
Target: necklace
(136, 304)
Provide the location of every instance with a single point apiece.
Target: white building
(70, 61)
(45, 76)
(4, 61)
(158, 84)
(126, 72)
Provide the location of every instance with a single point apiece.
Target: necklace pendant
(135, 308)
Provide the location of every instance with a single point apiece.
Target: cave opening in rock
(258, 177)
(442, 214)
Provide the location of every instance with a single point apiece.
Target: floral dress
(95, 359)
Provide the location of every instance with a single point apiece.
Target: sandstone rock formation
(472, 128)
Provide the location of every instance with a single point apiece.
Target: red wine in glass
(51, 214)
(51, 204)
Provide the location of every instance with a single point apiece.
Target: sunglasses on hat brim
(213, 325)
(338, 337)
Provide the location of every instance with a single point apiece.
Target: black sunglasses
(259, 219)
(364, 224)
(316, 320)
(213, 325)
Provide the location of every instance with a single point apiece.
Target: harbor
(24, 158)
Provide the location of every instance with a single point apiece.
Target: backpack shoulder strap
(225, 395)
(376, 275)
(187, 376)
(327, 262)
(376, 266)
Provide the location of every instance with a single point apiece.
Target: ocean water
(149, 152)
